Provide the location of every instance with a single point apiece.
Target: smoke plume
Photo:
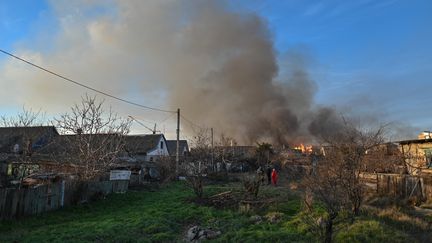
(219, 66)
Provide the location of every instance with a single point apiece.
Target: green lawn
(164, 215)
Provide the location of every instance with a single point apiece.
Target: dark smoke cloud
(220, 67)
(238, 91)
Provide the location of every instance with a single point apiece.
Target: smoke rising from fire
(220, 67)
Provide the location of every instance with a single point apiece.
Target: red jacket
(274, 176)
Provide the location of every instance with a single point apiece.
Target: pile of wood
(223, 200)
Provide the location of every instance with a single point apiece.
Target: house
(25, 140)
(236, 152)
(418, 155)
(183, 147)
(150, 147)
(234, 158)
(20, 150)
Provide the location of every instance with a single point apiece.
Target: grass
(366, 230)
(164, 216)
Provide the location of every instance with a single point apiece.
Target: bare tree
(94, 137)
(325, 185)
(335, 181)
(223, 153)
(225, 140)
(413, 162)
(350, 146)
(25, 118)
(199, 161)
(24, 138)
(263, 153)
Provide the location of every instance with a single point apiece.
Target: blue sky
(17, 18)
(373, 52)
(368, 55)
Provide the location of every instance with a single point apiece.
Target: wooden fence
(15, 203)
(402, 186)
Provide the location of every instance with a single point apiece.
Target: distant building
(19, 140)
(425, 135)
(183, 147)
(239, 152)
(20, 149)
(418, 155)
(29, 150)
(149, 147)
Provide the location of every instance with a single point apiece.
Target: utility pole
(212, 150)
(178, 143)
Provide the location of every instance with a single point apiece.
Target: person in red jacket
(274, 177)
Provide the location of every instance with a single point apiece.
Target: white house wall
(158, 151)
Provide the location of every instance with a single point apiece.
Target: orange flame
(304, 149)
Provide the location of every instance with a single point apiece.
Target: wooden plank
(20, 202)
(33, 201)
(15, 200)
(7, 204)
(3, 193)
(28, 202)
(41, 199)
(2, 202)
(56, 196)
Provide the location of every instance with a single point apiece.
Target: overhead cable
(86, 86)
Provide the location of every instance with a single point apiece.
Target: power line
(192, 123)
(164, 120)
(142, 124)
(145, 120)
(85, 86)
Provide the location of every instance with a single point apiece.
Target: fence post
(62, 193)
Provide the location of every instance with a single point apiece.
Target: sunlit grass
(164, 216)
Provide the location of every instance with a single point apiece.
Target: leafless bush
(166, 166)
(199, 162)
(196, 182)
(251, 185)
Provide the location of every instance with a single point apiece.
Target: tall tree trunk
(329, 231)
(329, 228)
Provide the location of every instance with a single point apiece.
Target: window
(161, 145)
(9, 170)
(428, 155)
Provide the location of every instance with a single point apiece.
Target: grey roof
(66, 143)
(172, 146)
(39, 136)
(428, 140)
(141, 144)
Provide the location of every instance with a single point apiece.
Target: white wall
(158, 151)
